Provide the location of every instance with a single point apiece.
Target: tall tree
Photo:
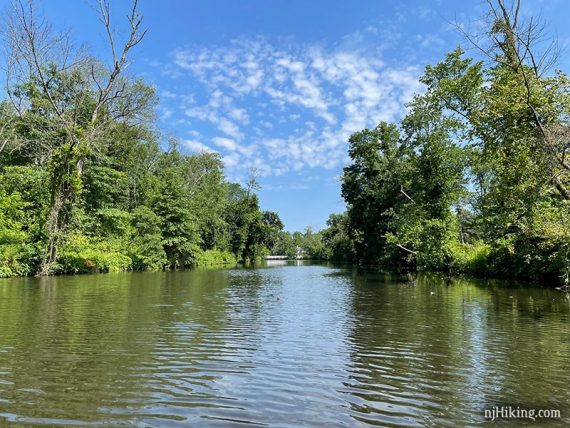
(373, 186)
(68, 101)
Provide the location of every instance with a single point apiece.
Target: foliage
(215, 258)
(81, 254)
(253, 233)
(16, 253)
(147, 251)
(137, 207)
(285, 245)
(119, 202)
(332, 243)
(371, 187)
(336, 239)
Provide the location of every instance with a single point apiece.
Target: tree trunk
(560, 187)
(53, 231)
(62, 193)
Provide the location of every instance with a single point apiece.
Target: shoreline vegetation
(474, 179)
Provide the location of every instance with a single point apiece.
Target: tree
(8, 141)
(373, 186)
(285, 245)
(539, 101)
(502, 126)
(148, 250)
(178, 223)
(271, 226)
(425, 226)
(67, 103)
(336, 239)
(207, 197)
(253, 233)
(15, 246)
(514, 112)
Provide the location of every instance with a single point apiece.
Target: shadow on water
(290, 343)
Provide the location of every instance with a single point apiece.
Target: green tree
(179, 229)
(372, 186)
(271, 226)
(15, 246)
(336, 239)
(285, 245)
(147, 246)
(514, 113)
(425, 226)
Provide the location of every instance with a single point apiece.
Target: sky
(279, 85)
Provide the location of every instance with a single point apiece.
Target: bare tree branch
(135, 37)
(406, 249)
(404, 193)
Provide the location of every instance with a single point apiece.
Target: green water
(280, 346)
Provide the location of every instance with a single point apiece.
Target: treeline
(476, 177)
(84, 183)
(332, 243)
(140, 208)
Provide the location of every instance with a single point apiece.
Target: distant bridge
(276, 258)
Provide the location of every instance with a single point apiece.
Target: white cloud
(239, 114)
(226, 143)
(165, 114)
(196, 146)
(229, 128)
(231, 160)
(281, 187)
(306, 101)
(168, 94)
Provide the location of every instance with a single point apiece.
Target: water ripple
(285, 346)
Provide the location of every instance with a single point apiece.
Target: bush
(470, 258)
(16, 259)
(81, 254)
(16, 252)
(537, 258)
(215, 257)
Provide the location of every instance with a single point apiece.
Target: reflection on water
(283, 345)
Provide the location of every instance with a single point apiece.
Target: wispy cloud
(282, 107)
(196, 146)
(226, 143)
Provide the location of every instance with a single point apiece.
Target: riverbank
(224, 260)
(91, 261)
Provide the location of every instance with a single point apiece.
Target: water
(280, 346)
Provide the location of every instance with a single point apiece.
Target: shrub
(81, 254)
(16, 252)
(470, 258)
(16, 259)
(215, 257)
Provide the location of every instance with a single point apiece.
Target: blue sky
(279, 85)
